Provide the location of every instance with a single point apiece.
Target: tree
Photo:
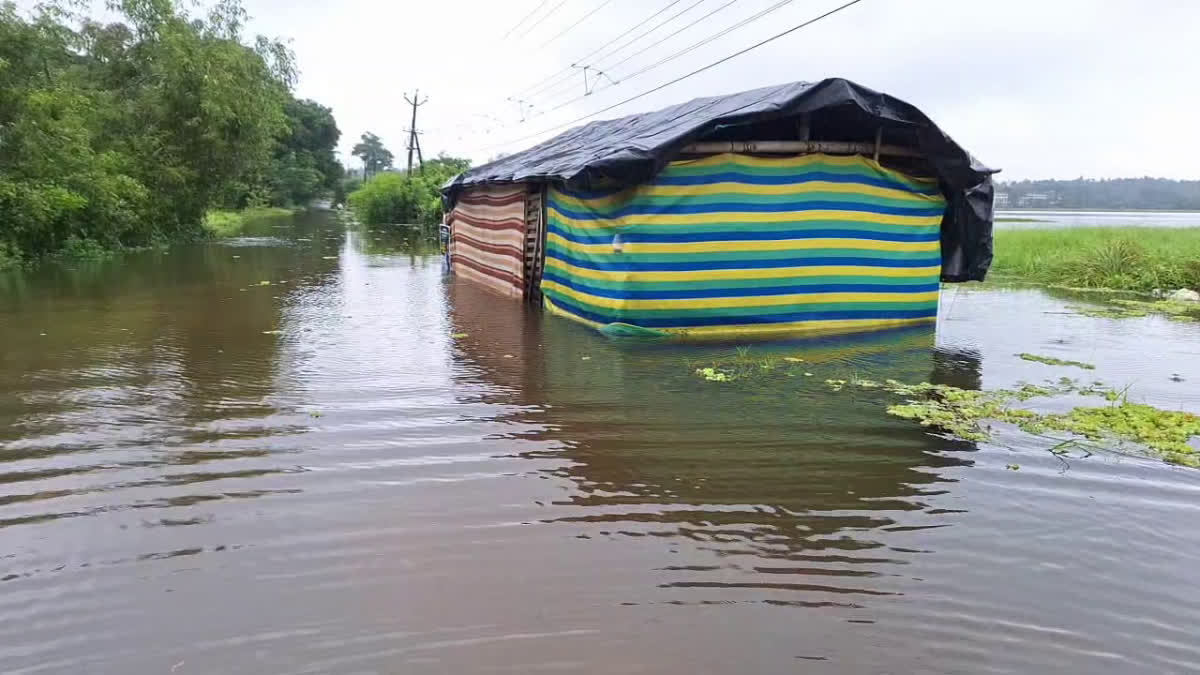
(374, 155)
(304, 166)
(126, 133)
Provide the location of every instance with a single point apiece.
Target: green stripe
(709, 257)
(743, 283)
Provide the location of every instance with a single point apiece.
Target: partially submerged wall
(487, 237)
(738, 244)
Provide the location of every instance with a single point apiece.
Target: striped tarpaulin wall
(737, 244)
(487, 238)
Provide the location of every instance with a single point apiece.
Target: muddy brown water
(200, 473)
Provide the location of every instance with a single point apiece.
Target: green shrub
(389, 198)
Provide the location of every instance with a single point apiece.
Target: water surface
(364, 467)
(1052, 218)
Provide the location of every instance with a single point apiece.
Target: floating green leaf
(1051, 361)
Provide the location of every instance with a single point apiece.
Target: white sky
(1040, 89)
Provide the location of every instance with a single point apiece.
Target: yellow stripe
(757, 273)
(724, 218)
(746, 188)
(760, 329)
(734, 302)
(746, 246)
(807, 327)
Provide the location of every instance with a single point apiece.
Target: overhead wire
(705, 41)
(524, 19)
(666, 21)
(685, 76)
(673, 56)
(654, 44)
(585, 17)
(545, 16)
(571, 68)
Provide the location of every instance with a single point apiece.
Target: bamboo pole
(791, 147)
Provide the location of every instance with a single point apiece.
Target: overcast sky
(1040, 89)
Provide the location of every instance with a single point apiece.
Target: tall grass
(223, 224)
(1127, 258)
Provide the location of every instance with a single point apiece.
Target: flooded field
(1051, 218)
(308, 451)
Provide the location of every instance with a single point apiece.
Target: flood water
(365, 467)
(1051, 218)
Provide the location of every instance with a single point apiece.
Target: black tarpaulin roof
(630, 150)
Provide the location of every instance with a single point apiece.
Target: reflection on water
(362, 466)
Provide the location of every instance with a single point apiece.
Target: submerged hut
(802, 207)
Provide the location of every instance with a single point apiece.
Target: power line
(524, 19)
(697, 71)
(568, 70)
(701, 43)
(654, 44)
(645, 33)
(543, 18)
(675, 55)
(581, 20)
(626, 44)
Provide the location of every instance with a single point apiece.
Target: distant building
(1002, 200)
(1035, 200)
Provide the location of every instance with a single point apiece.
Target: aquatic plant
(744, 364)
(713, 375)
(1051, 361)
(1125, 308)
(1166, 432)
(967, 414)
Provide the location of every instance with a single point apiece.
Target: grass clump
(223, 224)
(744, 365)
(1127, 258)
(967, 414)
(1051, 361)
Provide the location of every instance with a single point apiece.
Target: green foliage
(1051, 361)
(9, 257)
(304, 167)
(1126, 258)
(125, 134)
(403, 198)
(1166, 432)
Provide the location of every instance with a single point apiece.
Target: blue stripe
(707, 264)
(782, 208)
(744, 235)
(688, 322)
(740, 292)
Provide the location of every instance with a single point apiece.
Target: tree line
(1116, 193)
(125, 133)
